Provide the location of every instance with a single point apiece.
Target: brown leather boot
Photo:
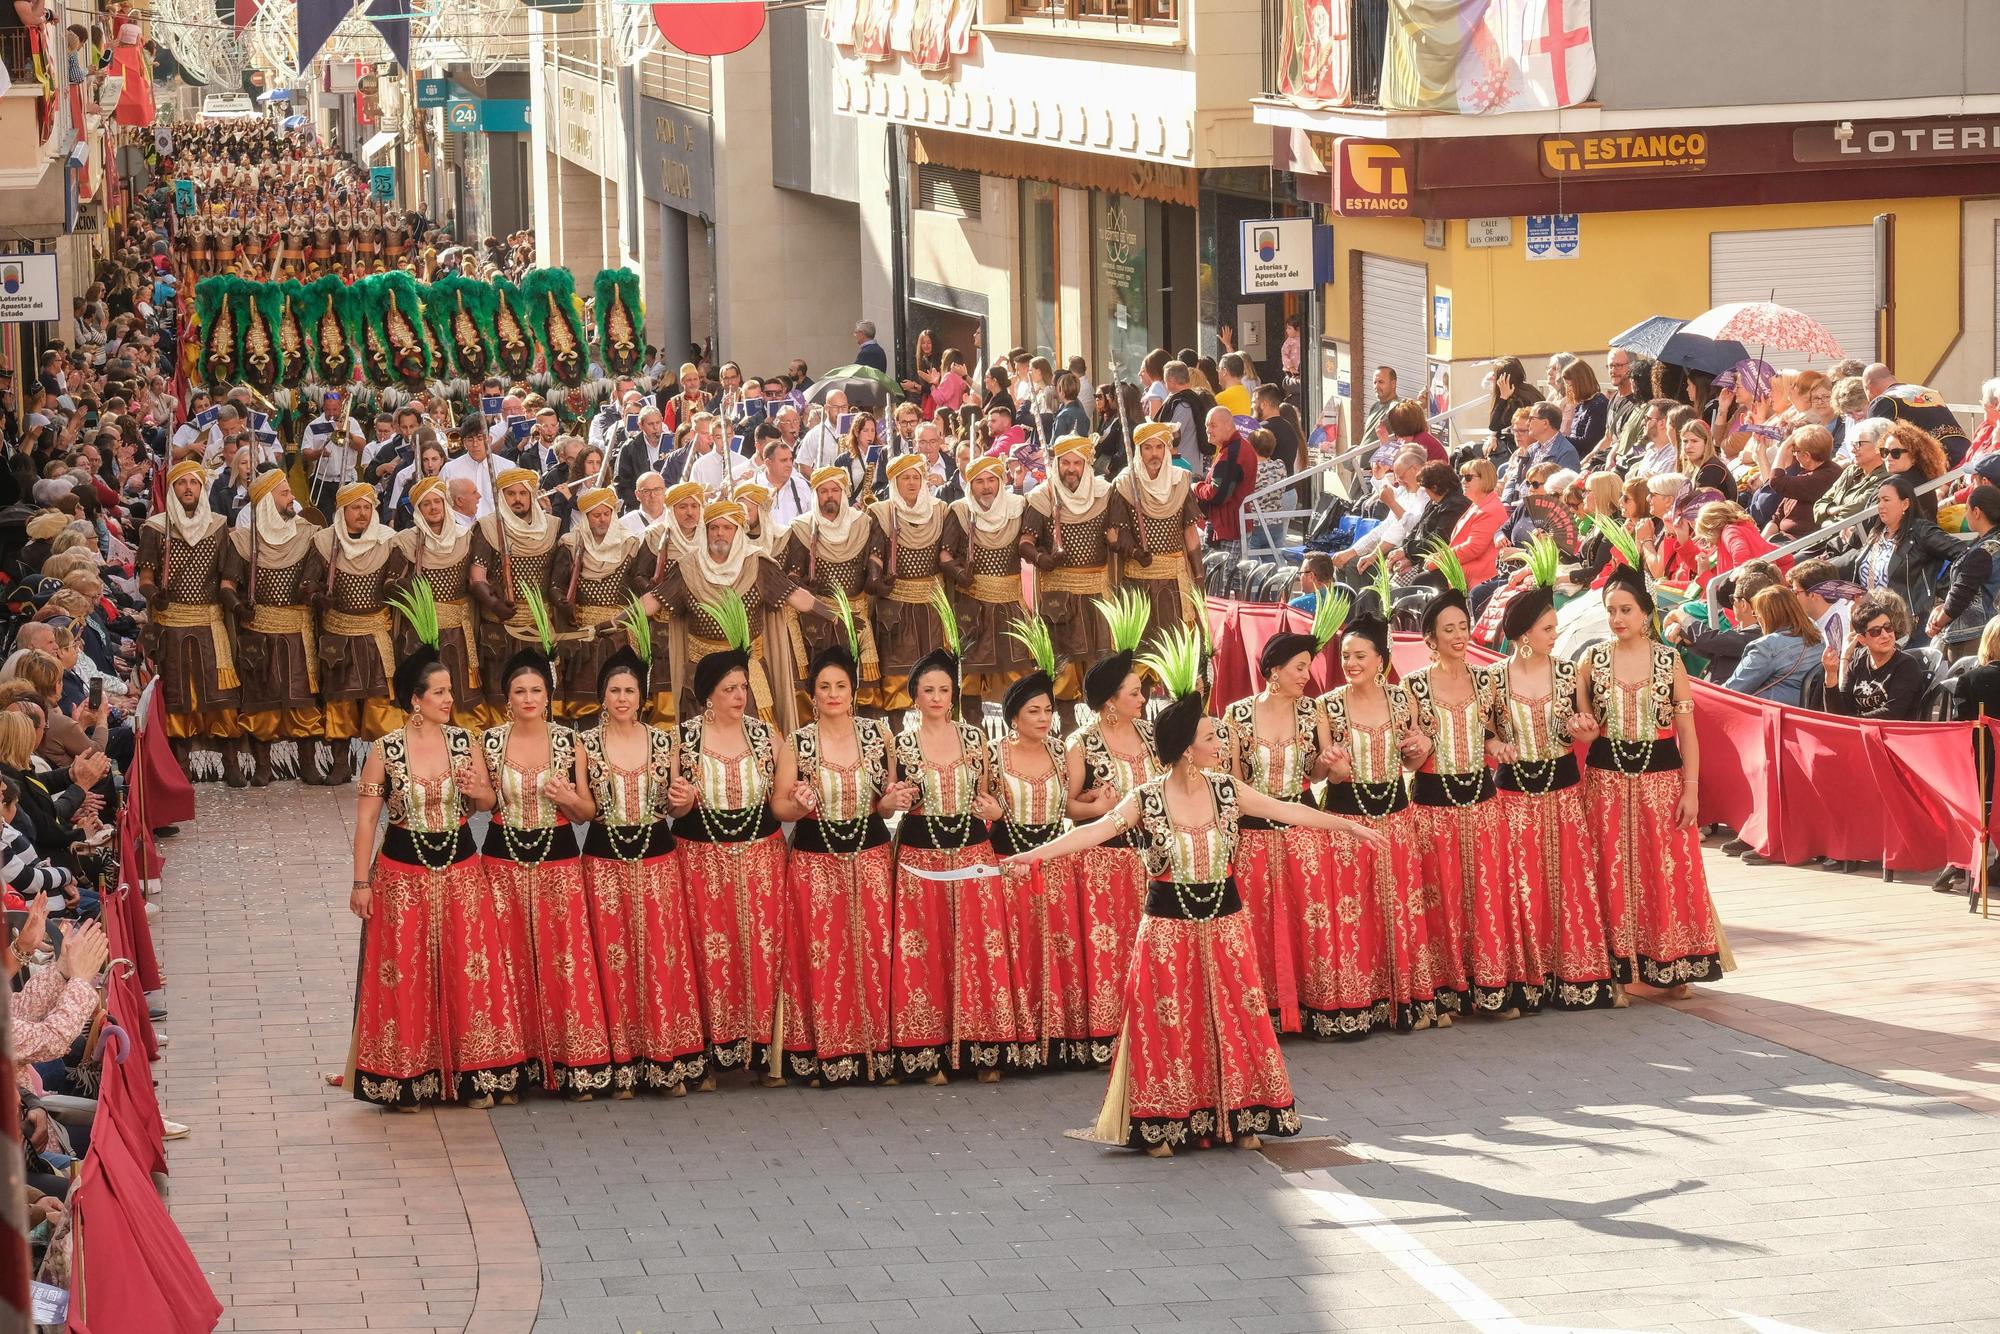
(261, 775)
(343, 762)
(232, 763)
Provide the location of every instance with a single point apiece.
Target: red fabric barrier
(159, 788)
(1793, 783)
(132, 1269)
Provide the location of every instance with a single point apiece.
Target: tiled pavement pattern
(1645, 1170)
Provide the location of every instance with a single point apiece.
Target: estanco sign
(1897, 141)
(1657, 153)
(1371, 177)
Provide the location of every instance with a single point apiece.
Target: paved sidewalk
(1818, 1163)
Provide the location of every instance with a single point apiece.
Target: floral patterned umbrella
(1766, 324)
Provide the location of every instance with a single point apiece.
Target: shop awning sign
(1277, 254)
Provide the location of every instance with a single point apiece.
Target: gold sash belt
(1000, 589)
(290, 621)
(864, 630)
(194, 616)
(915, 591)
(1092, 581)
(370, 625)
(458, 616)
(1166, 567)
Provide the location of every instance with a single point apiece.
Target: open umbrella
(864, 386)
(1664, 338)
(1768, 325)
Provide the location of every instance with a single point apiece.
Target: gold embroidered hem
(374, 625)
(290, 621)
(194, 615)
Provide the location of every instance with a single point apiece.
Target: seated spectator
(26, 873)
(1401, 499)
(1270, 469)
(1727, 536)
(1445, 505)
(1910, 451)
(1404, 425)
(1903, 554)
(63, 739)
(50, 1012)
(1778, 662)
(1975, 694)
(1882, 682)
(1670, 550)
(1975, 573)
(1315, 577)
(1701, 462)
(1802, 472)
(1827, 597)
(1721, 640)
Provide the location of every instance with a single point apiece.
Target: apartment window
(1104, 11)
(953, 191)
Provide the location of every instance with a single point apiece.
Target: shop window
(1040, 311)
(1128, 244)
(953, 191)
(1106, 11)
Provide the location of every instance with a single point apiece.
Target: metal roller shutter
(1395, 324)
(1827, 272)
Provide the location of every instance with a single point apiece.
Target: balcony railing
(1098, 11)
(1330, 53)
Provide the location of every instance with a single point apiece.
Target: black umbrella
(1661, 338)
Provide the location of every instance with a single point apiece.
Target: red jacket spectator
(1474, 538)
(1231, 475)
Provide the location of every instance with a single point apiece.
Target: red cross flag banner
(703, 28)
(1483, 57)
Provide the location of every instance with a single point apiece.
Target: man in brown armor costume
(831, 549)
(180, 565)
(1155, 529)
(513, 547)
(1065, 533)
(599, 568)
(982, 536)
(725, 562)
(904, 579)
(360, 560)
(439, 550)
(270, 570)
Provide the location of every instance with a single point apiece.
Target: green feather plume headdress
(366, 300)
(731, 617)
(1544, 560)
(621, 320)
(436, 311)
(1177, 660)
(1126, 613)
(538, 615)
(221, 327)
(1329, 614)
(1384, 589)
(947, 618)
(1445, 561)
(843, 611)
(639, 628)
(263, 307)
(1032, 633)
(401, 314)
(557, 323)
(1623, 545)
(417, 604)
(513, 331)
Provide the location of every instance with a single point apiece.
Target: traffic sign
(433, 92)
(461, 115)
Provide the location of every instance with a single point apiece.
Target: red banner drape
(1793, 783)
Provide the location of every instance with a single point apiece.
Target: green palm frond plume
(1384, 591)
(1033, 634)
(1445, 561)
(538, 613)
(1623, 543)
(418, 605)
(1200, 601)
(1329, 614)
(843, 611)
(732, 617)
(947, 617)
(1544, 560)
(1177, 661)
(639, 626)
(1126, 613)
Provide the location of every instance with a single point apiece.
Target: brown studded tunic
(1081, 572)
(356, 653)
(590, 603)
(186, 648)
(498, 640)
(276, 655)
(986, 592)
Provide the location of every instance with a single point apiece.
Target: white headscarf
(190, 523)
(440, 547)
(535, 531)
(918, 521)
(274, 527)
(665, 531)
(1004, 513)
(354, 551)
(843, 537)
(1084, 500)
(602, 556)
(725, 572)
(1157, 493)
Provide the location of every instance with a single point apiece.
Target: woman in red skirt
(1285, 873)
(638, 910)
(1029, 783)
(958, 995)
(732, 856)
(1373, 972)
(1643, 798)
(837, 779)
(436, 1017)
(1549, 936)
(1197, 1058)
(1109, 757)
(531, 861)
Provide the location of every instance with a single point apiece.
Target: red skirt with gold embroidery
(960, 983)
(1197, 1057)
(1110, 887)
(436, 1017)
(1278, 872)
(639, 914)
(1657, 909)
(833, 1016)
(1347, 987)
(1052, 961)
(544, 917)
(1463, 864)
(1555, 925)
(736, 894)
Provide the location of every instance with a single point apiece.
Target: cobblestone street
(1809, 1146)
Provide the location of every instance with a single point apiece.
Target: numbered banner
(184, 197)
(382, 184)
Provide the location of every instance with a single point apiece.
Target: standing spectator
(1187, 408)
(1384, 385)
(1071, 418)
(1270, 469)
(1229, 480)
(1977, 571)
(1270, 407)
(949, 391)
(868, 352)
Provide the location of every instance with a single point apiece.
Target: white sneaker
(152, 910)
(160, 1038)
(172, 1129)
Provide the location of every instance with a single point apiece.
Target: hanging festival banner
(1315, 53)
(932, 33)
(1483, 57)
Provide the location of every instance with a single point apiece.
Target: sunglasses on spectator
(1880, 627)
(1895, 453)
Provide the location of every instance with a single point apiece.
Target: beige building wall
(980, 254)
(1973, 359)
